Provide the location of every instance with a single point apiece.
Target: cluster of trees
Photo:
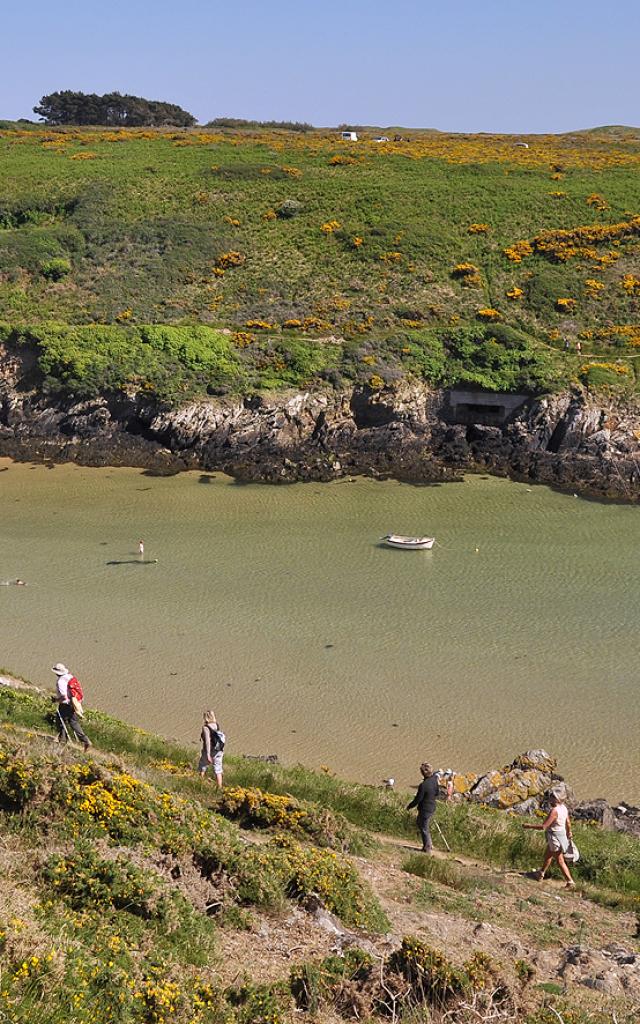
(112, 109)
(241, 122)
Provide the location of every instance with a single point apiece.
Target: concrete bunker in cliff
(488, 408)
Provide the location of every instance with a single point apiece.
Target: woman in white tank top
(557, 825)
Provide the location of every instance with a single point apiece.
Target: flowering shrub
(321, 872)
(243, 338)
(468, 273)
(261, 1004)
(338, 160)
(376, 382)
(617, 334)
(478, 229)
(464, 270)
(357, 241)
(489, 314)
(432, 977)
(604, 374)
(566, 305)
(618, 368)
(594, 285)
(515, 293)
(19, 780)
(233, 221)
(229, 259)
(518, 251)
(597, 201)
(254, 808)
(564, 244)
(84, 879)
(116, 805)
(330, 226)
(391, 257)
(269, 215)
(631, 283)
(260, 325)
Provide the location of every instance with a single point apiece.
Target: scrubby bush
(168, 362)
(254, 808)
(86, 881)
(56, 268)
(19, 779)
(289, 208)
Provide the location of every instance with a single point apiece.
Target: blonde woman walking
(213, 741)
(557, 825)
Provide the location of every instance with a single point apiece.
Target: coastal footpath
(573, 440)
(133, 892)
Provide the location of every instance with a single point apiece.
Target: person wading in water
(425, 801)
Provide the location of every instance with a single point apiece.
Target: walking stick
(442, 836)
(63, 724)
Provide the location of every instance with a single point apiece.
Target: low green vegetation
(452, 259)
(124, 872)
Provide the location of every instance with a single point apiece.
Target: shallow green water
(462, 656)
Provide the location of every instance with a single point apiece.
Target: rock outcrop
(406, 431)
(522, 786)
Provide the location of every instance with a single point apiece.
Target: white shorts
(216, 763)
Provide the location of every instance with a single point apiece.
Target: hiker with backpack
(69, 696)
(213, 741)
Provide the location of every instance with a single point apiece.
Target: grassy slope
(144, 221)
(109, 862)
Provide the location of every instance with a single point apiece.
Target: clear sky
(457, 65)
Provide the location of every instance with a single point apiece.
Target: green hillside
(132, 893)
(323, 260)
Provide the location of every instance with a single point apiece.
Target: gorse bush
(253, 808)
(18, 780)
(85, 880)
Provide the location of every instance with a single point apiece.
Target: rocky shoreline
(524, 787)
(407, 431)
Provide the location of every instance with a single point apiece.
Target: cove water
(279, 608)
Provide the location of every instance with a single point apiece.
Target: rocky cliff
(571, 440)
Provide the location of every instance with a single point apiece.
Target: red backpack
(74, 689)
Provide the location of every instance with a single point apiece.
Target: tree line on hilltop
(113, 109)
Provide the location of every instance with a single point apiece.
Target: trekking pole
(63, 724)
(442, 836)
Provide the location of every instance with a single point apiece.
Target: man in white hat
(69, 706)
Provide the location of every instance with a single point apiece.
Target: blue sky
(457, 65)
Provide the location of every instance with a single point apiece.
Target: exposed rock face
(621, 818)
(522, 786)
(613, 970)
(405, 431)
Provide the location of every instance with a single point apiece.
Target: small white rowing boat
(395, 540)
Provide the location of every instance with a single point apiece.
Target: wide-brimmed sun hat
(60, 669)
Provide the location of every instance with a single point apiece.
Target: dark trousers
(67, 718)
(424, 820)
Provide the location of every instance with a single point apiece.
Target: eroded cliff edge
(410, 431)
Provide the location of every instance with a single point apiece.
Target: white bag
(573, 853)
